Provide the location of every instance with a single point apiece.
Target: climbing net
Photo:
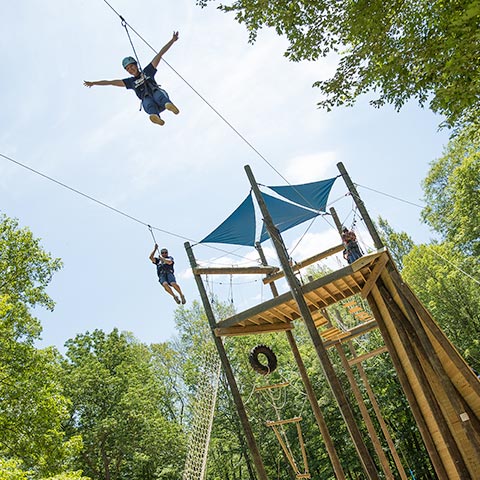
(203, 412)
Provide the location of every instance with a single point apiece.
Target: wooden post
(361, 207)
(252, 444)
(337, 221)
(363, 453)
(361, 404)
(322, 425)
(378, 414)
(449, 440)
(434, 455)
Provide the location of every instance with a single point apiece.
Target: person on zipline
(352, 250)
(165, 274)
(154, 99)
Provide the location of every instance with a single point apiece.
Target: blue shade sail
(238, 228)
(311, 195)
(284, 215)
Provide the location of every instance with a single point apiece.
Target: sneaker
(183, 300)
(176, 299)
(156, 119)
(172, 108)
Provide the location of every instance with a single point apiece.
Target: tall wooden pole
(252, 444)
(322, 425)
(363, 453)
(361, 207)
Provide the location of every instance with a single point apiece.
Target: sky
(186, 177)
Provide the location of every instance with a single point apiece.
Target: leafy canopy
(425, 50)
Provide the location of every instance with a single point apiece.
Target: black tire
(257, 365)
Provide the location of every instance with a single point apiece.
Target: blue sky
(187, 176)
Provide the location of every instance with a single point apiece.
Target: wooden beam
(354, 332)
(234, 270)
(252, 329)
(377, 270)
(288, 296)
(283, 422)
(368, 355)
(271, 387)
(304, 263)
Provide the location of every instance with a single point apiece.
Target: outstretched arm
(158, 56)
(115, 83)
(152, 255)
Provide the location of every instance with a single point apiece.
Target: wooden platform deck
(278, 313)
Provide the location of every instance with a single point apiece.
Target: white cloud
(307, 168)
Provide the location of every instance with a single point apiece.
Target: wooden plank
(252, 329)
(355, 332)
(366, 259)
(264, 270)
(368, 355)
(283, 422)
(269, 387)
(377, 270)
(304, 263)
(287, 297)
(355, 309)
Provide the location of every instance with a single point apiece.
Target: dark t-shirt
(138, 83)
(163, 267)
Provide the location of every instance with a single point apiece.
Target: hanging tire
(258, 366)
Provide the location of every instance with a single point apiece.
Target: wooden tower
(442, 390)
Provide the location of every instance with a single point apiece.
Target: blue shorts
(167, 277)
(155, 102)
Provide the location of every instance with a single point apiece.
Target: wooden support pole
(321, 423)
(452, 400)
(252, 444)
(401, 323)
(364, 455)
(467, 373)
(361, 207)
(432, 450)
(363, 408)
(376, 409)
(337, 221)
(365, 415)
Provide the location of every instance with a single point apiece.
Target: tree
(425, 50)
(452, 194)
(33, 405)
(120, 408)
(399, 244)
(443, 279)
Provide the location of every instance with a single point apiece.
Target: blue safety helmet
(128, 61)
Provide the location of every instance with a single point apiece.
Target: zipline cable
(116, 210)
(391, 196)
(125, 24)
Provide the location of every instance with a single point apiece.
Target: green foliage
(120, 408)
(11, 470)
(399, 244)
(452, 194)
(33, 405)
(25, 268)
(425, 50)
(442, 277)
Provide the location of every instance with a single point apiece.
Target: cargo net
(203, 412)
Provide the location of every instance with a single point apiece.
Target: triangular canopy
(238, 228)
(285, 215)
(311, 195)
